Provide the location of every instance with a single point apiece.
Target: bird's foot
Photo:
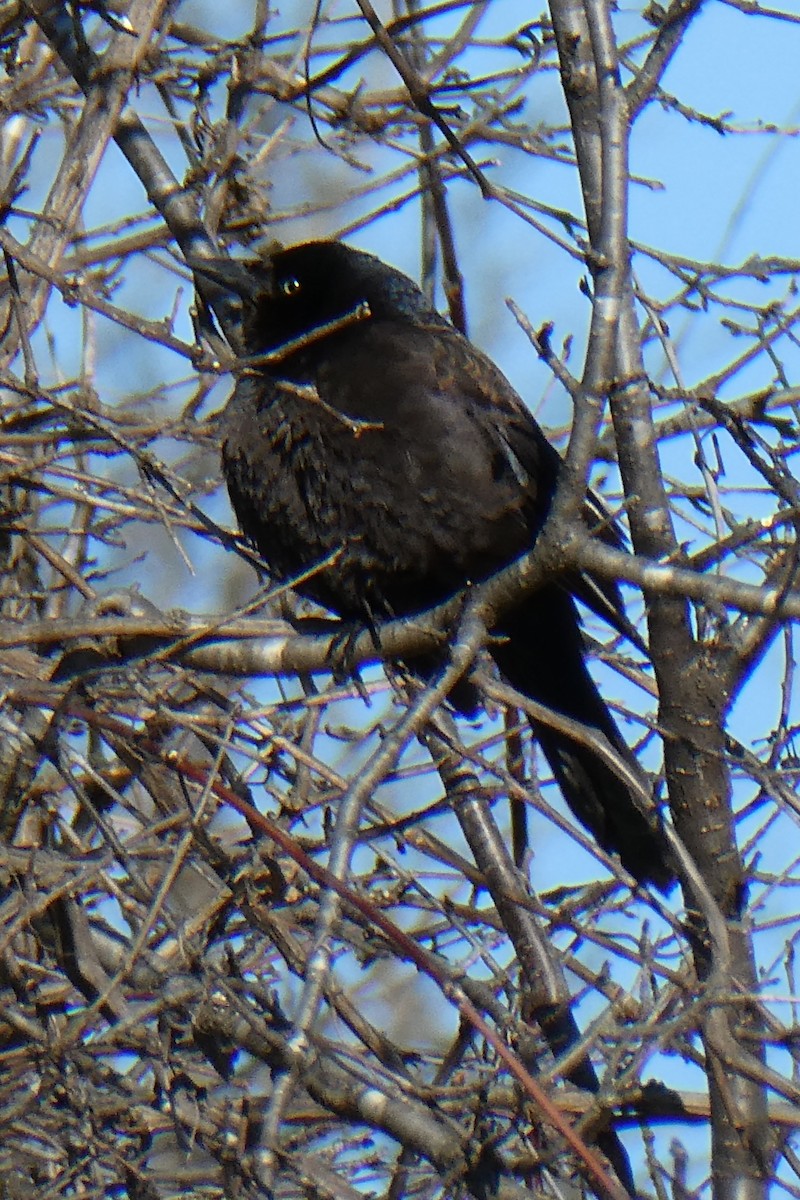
(343, 652)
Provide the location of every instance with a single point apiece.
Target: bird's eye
(290, 286)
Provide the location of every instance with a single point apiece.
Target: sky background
(703, 195)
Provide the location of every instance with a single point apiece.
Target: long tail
(543, 657)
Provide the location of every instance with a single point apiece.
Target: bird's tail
(540, 652)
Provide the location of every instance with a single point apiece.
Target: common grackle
(370, 439)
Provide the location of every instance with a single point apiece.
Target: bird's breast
(384, 461)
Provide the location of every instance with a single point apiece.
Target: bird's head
(306, 295)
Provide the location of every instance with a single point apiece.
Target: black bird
(370, 439)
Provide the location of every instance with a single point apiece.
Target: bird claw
(342, 654)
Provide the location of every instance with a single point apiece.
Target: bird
(380, 461)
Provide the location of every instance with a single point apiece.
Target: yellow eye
(290, 286)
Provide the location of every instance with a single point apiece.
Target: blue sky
(710, 196)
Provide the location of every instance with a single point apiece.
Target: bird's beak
(234, 275)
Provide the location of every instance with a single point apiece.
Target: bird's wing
(523, 453)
